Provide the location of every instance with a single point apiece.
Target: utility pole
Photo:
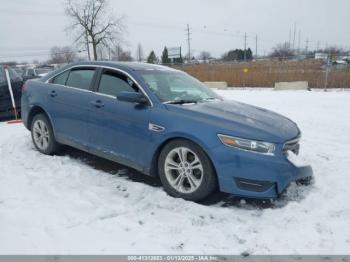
(318, 45)
(290, 37)
(189, 42)
(245, 47)
(299, 39)
(327, 70)
(295, 29)
(306, 45)
(256, 46)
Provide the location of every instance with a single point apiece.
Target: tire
(186, 171)
(43, 136)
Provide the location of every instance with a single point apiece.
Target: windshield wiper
(211, 99)
(182, 101)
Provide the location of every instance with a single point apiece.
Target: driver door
(118, 130)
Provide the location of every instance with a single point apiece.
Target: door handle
(98, 103)
(53, 93)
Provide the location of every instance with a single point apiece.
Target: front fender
(151, 168)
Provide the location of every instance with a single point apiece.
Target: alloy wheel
(183, 170)
(41, 134)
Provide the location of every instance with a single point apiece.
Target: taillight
(22, 88)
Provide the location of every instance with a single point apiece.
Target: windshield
(177, 87)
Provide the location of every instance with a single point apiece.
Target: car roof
(125, 65)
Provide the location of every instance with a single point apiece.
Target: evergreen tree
(249, 54)
(237, 55)
(152, 58)
(165, 56)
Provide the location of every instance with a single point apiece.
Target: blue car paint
(120, 131)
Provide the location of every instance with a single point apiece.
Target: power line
(30, 12)
(39, 54)
(143, 23)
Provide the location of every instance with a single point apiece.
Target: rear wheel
(42, 135)
(186, 171)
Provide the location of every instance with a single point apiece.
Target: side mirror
(132, 97)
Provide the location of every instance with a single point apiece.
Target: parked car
(6, 108)
(19, 70)
(31, 73)
(164, 123)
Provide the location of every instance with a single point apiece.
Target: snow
(73, 203)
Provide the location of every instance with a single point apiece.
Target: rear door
(5, 97)
(118, 129)
(5, 101)
(69, 95)
(16, 83)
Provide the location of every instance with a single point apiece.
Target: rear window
(80, 78)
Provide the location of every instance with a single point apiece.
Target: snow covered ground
(77, 204)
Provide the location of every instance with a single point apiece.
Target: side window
(80, 78)
(113, 83)
(61, 78)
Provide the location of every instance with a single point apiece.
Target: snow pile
(66, 205)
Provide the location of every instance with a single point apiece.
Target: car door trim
(101, 66)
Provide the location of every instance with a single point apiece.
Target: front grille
(292, 145)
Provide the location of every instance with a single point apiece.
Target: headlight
(249, 145)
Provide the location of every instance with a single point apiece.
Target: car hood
(243, 120)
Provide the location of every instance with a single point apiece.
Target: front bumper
(254, 175)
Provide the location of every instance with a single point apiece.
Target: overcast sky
(29, 28)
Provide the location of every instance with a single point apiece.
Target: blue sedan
(164, 123)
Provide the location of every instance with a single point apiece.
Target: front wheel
(186, 171)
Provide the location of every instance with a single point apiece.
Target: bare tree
(93, 23)
(120, 55)
(125, 56)
(283, 51)
(61, 55)
(139, 53)
(204, 55)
